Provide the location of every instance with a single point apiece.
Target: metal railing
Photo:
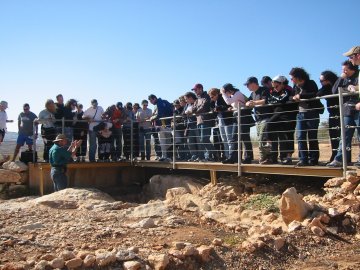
(181, 141)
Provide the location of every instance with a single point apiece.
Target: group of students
(225, 115)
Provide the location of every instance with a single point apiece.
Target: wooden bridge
(90, 174)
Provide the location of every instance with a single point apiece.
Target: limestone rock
(72, 198)
(67, 255)
(317, 231)
(32, 226)
(156, 209)
(125, 255)
(89, 261)
(335, 182)
(146, 223)
(279, 242)
(15, 266)
(190, 250)
(47, 257)
(292, 207)
(357, 190)
(348, 187)
(176, 253)
(175, 192)
(7, 176)
(131, 265)
(179, 245)
(74, 263)
(351, 176)
(57, 263)
(41, 265)
(159, 184)
(204, 253)
(158, 262)
(15, 166)
(104, 259)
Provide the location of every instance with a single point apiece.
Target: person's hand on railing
(352, 88)
(250, 104)
(296, 97)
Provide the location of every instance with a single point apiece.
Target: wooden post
(41, 187)
(213, 177)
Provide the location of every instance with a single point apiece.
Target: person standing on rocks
(59, 157)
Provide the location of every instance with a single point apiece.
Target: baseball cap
(251, 80)
(198, 85)
(353, 50)
(4, 103)
(279, 78)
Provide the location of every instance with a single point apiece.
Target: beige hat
(353, 50)
(60, 137)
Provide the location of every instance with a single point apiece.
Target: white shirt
(234, 100)
(94, 116)
(3, 119)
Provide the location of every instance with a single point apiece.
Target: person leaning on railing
(327, 80)
(48, 131)
(348, 80)
(143, 116)
(81, 128)
(277, 128)
(226, 125)
(307, 118)
(234, 97)
(258, 97)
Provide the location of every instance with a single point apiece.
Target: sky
(124, 50)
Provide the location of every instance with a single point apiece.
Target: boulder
(146, 223)
(351, 176)
(159, 184)
(348, 187)
(57, 263)
(131, 265)
(278, 243)
(105, 258)
(16, 166)
(335, 182)
(89, 260)
(15, 266)
(7, 176)
(67, 255)
(72, 198)
(158, 262)
(204, 253)
(74, 263)
(175, 192)
(292, 207)
(155, 209)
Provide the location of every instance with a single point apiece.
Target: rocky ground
(179, 223)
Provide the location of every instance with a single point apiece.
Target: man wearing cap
(26, 130)
(205, 122)
(3, 119)
(258, 97)
(59, 158)
(94, 115)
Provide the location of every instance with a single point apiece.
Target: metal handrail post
(131, 141)
(174, 130)
(63, 125)
(342, 130)
(239, 138)
(34, 141)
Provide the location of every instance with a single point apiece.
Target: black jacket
(308, 90)
(330, 102)
(222, 110)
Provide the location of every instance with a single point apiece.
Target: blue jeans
(205, 133)
(195, 147)
(92, 145)
(307, 131)
(227, 137)
(349, 133)
(59, 178)
(144, 140)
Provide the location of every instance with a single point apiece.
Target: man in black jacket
(307, 118)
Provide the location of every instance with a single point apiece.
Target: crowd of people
(206, 125)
